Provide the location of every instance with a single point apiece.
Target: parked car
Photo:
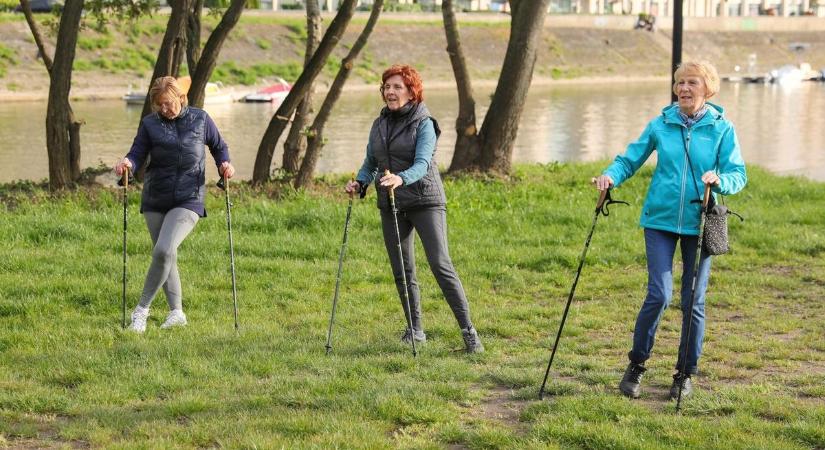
(43, 6)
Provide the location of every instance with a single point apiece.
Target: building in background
(692, 8)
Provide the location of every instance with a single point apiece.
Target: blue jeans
(660, 247)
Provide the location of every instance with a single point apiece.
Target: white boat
(273, 93)
(214, 93)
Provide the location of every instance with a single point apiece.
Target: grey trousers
(168, 231)
(431, 226)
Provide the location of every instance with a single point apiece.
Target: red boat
(274, 93)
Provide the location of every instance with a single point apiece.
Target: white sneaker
(139, 316)
(176, 318)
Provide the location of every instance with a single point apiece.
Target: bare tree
(315, 136)
(296, 141)
(209, 56)
(172, 48)
(490, 149)
(263, 160)
(62, 129)
(193, 35)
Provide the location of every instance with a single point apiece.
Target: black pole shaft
(676, 56)
(702, 211)
(231, 252)
(569, 301)
(125, 227)
(407, 307)
(338, 276)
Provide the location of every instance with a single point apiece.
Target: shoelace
(636, 373)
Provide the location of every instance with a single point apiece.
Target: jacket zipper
(177, 169)
(682, 189)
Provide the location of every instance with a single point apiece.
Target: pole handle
(392, 190)
(602, 197)
(352, 180)
(706, 198)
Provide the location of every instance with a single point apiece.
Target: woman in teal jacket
(695, 145)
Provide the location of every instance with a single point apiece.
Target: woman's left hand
(710, 178)
(391, 181)
(227, 170)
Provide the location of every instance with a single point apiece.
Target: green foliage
(71, 377)
(8, 5)
(230, 73)
(94, 43)
(263, 44)
(395, 6)
(7, 56)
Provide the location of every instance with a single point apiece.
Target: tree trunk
(209, 57)
(64, 154)
(263, 160)
(467, 144)
(193, 36)
(296, 140)
(315, 138)
(493, 149)
(171, 48)
(500, 125)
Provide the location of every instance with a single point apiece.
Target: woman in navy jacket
(174, 136)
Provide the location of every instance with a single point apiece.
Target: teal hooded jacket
(670, 202)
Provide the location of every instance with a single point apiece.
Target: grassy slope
(261, 47)
(69, 375)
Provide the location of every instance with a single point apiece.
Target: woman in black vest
(173, 136)
(403, 140)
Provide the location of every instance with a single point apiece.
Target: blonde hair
(166, 85)
(702, 69)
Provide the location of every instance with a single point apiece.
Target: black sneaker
(418, 335)
(682, 379)
(472, 343)
(632, 380)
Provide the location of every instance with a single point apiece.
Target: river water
(781, 128)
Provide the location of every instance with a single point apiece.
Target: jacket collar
(714, 113)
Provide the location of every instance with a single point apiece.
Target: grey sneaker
(418, 335)
(632, 380)
(472, 343)
(684, 380)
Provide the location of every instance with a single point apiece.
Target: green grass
(70, 377)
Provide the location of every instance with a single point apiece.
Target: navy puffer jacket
(175, 176)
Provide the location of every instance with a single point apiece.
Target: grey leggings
(168, 231)
(431, 225)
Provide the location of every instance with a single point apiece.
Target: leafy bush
(8, 5)
(92, 43)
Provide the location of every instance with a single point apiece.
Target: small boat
(274, 93)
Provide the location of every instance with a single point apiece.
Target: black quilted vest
(392, 139)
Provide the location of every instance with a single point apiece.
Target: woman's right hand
(602, 182)
(353, 187)
(122, 166)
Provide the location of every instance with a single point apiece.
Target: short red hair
(411, 77)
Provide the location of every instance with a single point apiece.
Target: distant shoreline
(87, 94)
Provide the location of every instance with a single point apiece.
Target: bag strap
(690, 164)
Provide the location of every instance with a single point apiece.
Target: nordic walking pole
(601, 208)
(702, 214)
(340, 268)
(125, 182)
(407, 308)
(224, 184)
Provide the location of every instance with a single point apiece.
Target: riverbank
(71, 377)
(263, 46)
